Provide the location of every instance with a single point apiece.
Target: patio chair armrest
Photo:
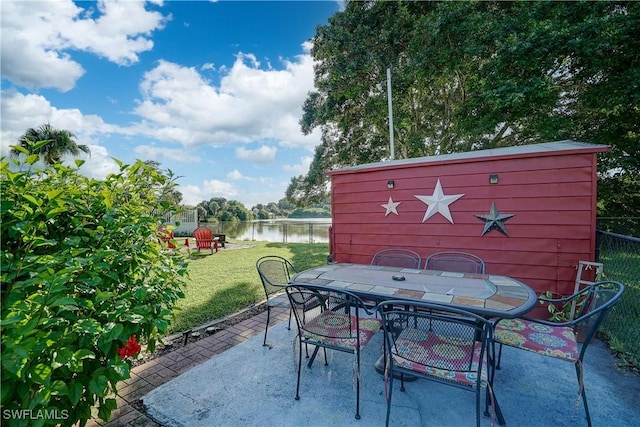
(371, 311)
(562, 300)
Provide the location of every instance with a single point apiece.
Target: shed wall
(552, 197)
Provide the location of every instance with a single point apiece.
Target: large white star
(391, 207)
(438, 203)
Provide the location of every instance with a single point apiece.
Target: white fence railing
(188, 221)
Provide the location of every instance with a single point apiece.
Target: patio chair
(561, 339)
(275, 273)
(397, 257)
(461, 262)
(330, 319)
(166, 237)
(204, 239)
(439, 343)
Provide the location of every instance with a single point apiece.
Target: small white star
(438, 203)
(391, 207)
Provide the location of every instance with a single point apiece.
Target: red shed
(528, 211)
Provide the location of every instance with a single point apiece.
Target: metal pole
(392, 149)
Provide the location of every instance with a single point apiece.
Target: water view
(304, 230)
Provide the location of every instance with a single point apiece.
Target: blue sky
(211, 90)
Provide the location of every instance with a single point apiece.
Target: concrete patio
(213, 382)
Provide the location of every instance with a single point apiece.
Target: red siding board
(472, 206)
(366, 194)
(465, 180)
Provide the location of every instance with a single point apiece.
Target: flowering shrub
(83, 278)
(130, 348)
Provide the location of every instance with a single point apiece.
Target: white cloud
(39, 37)
(192, 194)
(217, 188)
(236, 175)
(301, 168)
(263, 154)
(149, 152)
(251, 103)
(99, 164)
(19, 112)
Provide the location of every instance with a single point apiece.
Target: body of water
(304, 230)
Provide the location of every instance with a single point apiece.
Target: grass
(225, 282)
(622, 326)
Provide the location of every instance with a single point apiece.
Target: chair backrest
(204, 237)
(435, 336)
(460, 262)
(596, 301)
(275, 273)
(397, 257)
(323, 313)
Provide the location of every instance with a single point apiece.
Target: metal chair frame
(462, 262)
(594, 303)
(275, 274)
(422, 326)
(397, 257)
(345, 331)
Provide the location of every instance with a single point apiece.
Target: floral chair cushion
(445, 357)
(555, 341)
(339, 329)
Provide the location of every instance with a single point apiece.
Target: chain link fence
(620, 255)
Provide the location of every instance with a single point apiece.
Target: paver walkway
(156, 372)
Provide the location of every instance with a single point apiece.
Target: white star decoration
(438, 203)
(391, 207)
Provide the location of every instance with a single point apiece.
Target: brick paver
(156, 372)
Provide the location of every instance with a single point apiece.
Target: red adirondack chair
(205, 239)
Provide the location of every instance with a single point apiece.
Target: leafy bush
(83, 279)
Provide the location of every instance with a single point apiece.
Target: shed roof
(531, 150)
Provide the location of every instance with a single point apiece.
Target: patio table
(487, 295)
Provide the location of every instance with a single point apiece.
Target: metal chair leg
(579, 374)
(299, 369)
(264, 342)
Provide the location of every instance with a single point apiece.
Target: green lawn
(227, 281)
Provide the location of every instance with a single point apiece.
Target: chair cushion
(441, 356)
(554, 341)
(339, 329)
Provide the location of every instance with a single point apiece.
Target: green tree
(49, 143)
(473, 75)
(223, 210)
(171, 195)
(84, 281)
(203, 215)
